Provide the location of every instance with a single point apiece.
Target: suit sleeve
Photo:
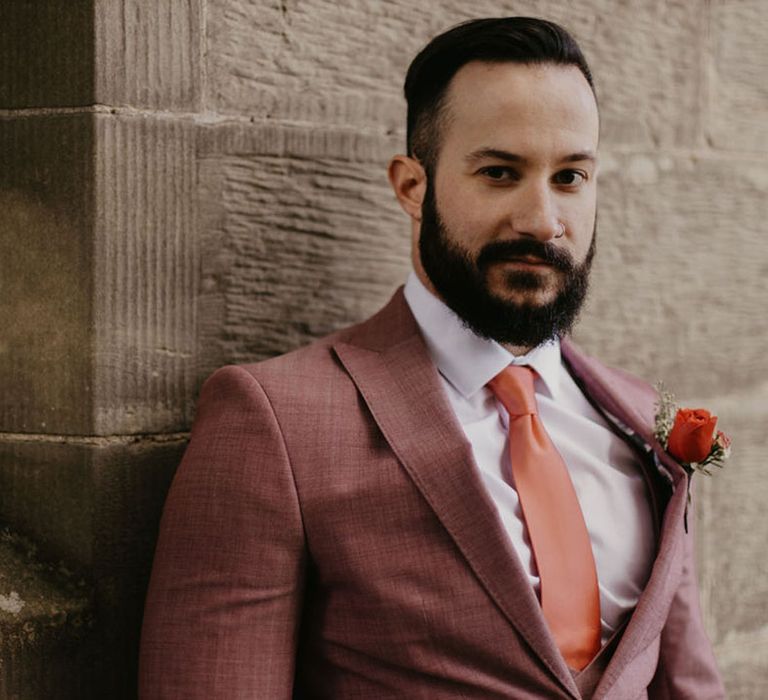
(223, 606)
(687, 668)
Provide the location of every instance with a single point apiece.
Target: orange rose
(691, 437)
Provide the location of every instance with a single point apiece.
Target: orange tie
(570, 597)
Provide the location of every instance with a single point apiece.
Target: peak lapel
(630, 401)
(392, 369)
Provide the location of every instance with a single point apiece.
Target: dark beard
(462, 283)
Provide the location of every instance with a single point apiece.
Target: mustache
(499, 251)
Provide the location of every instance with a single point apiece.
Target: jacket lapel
(391, 367)
(631, 403)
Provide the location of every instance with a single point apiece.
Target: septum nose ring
(560, 230)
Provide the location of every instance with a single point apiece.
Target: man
(366, 517)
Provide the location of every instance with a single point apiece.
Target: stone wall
(187, 183)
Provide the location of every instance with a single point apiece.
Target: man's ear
(409, 183)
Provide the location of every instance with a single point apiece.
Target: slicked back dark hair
(525, 40)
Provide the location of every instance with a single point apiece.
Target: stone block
(322, 62)
(147, 54)
(301, 235)
(737, 66)
(46, 199)
(330, 63)
(309, 62)
(679, 286)
(98, 268)
(94, 505)
(145, 273)
(47, 645)
(87, 501)
(46, 493)
(46, 54)
(130, 482)
(70, 53)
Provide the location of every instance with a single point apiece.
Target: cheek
(469, 231)
(465, 219)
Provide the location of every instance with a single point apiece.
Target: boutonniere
(690, 435)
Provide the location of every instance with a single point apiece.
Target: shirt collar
(465, 359)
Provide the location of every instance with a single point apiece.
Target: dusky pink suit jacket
(327, 534)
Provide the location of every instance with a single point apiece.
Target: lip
(527, 260)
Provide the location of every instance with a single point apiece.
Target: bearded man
(448, 500)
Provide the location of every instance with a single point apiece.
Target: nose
(535, 213)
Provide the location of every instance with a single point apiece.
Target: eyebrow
(499, 154)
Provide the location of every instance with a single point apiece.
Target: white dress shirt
(604, 469)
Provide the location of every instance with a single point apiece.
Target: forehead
(518, 106)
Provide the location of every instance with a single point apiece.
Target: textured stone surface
(647, 59)
(745, 667)
(325, 62)
(46, 53)
(94, 505)
(737, 67)
(46, 200)
(328, 62)
(46, 637)
(147, 54)
(130, 482)
(145, 273)
(99, 273)
(45, 491)
(86, 500)
(68, 53)
(317, 62)
(300, 236)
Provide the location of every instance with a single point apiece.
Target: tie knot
(513, 386)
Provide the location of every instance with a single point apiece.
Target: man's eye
(569, 178)
(499, 173)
